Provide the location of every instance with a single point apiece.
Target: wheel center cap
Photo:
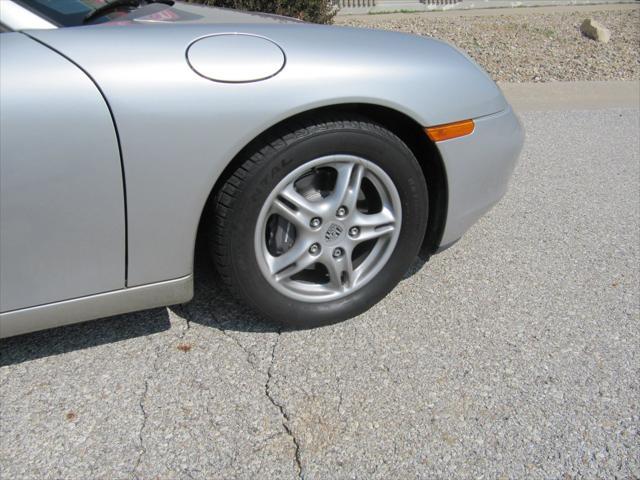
(334, 233)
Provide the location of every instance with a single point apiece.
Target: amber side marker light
(450, 130)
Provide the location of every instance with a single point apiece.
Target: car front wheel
(320, 220)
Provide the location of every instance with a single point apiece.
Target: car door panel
(62, 212)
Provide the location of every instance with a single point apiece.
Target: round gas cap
(235, 58)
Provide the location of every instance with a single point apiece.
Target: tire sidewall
(386, 151)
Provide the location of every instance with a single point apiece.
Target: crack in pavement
(183, 312)
(249, 357)
(267, 391)
(143, 398)
(247, 352)
(280, 407)
(286, 419)
(145, 416)
(143, 449)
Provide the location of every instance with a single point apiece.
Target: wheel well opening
(405, 128)
(413, 135)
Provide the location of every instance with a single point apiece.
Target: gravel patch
(535, 47)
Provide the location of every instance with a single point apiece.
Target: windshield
(69, 13)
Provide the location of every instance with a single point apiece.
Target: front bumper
(478, 168)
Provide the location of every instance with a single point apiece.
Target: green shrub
(317, 11)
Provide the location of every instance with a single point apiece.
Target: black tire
(237, 204)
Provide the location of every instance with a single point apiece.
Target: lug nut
(342, 211)
(315, 222)
(337, 253)
(314, 249)
(354, 231)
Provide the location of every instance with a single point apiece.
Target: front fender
(179, 131)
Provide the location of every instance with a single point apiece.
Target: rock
(595, 30)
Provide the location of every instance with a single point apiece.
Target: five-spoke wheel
(320, 219)
(327, 228)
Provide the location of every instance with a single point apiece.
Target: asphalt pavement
(515, 354)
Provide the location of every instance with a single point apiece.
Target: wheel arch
(401, 125)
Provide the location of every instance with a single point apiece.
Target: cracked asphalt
(515, 354)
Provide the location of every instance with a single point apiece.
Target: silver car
(317, 161)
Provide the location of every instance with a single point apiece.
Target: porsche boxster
(317, 161)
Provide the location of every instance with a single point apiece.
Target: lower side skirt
(25, 320)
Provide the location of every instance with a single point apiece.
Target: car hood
(183, 13)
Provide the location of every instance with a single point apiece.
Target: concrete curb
(418, 6)
(572, 95)
(374, 17)
(471, 4)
